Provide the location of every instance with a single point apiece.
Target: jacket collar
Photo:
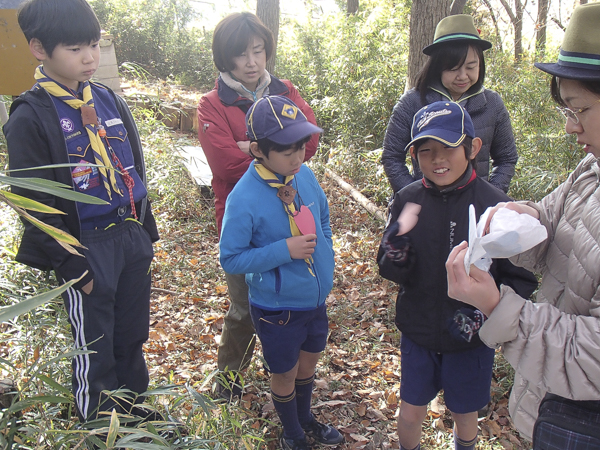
(229, 97)
(475, 100)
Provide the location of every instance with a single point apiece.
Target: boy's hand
(466, 323)
(88, 287)
(302, 247)
(398, 249)
(244, 147)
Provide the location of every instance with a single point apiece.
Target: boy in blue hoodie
(276, 231)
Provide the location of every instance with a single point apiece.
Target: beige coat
(554, 344)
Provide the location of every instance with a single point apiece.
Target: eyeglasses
(570, 114)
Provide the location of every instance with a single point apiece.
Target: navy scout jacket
(423, 307)
(35, 138)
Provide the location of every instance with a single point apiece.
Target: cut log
(356, 195)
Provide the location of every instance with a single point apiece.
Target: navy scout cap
(279, 119)
(446, 122)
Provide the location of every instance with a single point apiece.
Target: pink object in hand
(305, 221)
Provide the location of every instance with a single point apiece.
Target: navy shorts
(464, 376)
(283, 334)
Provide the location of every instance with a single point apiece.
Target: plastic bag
(510, 233)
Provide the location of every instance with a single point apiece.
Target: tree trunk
(516, 18)
(351, 7)
(495, 21)
(268, 12)
(424, 16)
(457, 7)
(519, 7)
(542, 23)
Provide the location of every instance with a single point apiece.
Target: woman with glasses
(554, 344)
(455, 71)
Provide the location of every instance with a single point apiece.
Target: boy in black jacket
(66, 119)
(428, 217)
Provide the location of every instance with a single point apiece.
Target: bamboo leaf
(53, 188)
(59, 387)
(58, 166)
(27, 203)
(10, 312)
(113, 429)
(69, 248)
(60, 235)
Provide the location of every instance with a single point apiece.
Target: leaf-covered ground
(358, 377)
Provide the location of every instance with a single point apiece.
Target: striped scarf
(101, 157)
(290, 209)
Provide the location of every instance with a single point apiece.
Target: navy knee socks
(287, 410)
(304, 390)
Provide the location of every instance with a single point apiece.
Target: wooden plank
(17, 64)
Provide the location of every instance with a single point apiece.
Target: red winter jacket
(222, 123)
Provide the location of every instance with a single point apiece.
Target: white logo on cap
(429, 116)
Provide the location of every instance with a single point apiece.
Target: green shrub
(156, 34)
(546, 153)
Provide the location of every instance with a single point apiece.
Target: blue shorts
(283, 334)
(464, 376)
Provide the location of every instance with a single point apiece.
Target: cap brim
(573, 73)
(294, 133)
(448, 138)
(485, 45)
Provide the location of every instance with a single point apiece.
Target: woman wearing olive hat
(454, 71)
(554, 344)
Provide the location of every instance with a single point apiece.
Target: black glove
(466, 323)
(397, 248)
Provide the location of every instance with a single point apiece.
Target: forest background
(351, 68)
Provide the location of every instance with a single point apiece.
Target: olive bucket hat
(457, 28)
(579, 57)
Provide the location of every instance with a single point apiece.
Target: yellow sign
(17, 64)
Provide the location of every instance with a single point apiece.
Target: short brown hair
(232, 36)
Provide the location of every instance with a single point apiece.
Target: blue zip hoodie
(253, 241)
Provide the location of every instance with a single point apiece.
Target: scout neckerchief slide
(90, 121)
(302, 221)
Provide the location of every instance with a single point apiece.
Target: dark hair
(467, 144)
(592, 86)
(56, 22)
(447, 57)
(267, 146)
(232, 36)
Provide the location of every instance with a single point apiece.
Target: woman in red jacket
(242, 45)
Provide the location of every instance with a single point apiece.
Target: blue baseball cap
(279, 119)
(446, 122)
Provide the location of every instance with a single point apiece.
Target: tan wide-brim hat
(457, 28)
(579, 57)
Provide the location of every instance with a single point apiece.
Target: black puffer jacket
(34, 139)
(491, 122)
(423, 308)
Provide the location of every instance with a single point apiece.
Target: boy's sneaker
(294, 444)
(323, 434)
